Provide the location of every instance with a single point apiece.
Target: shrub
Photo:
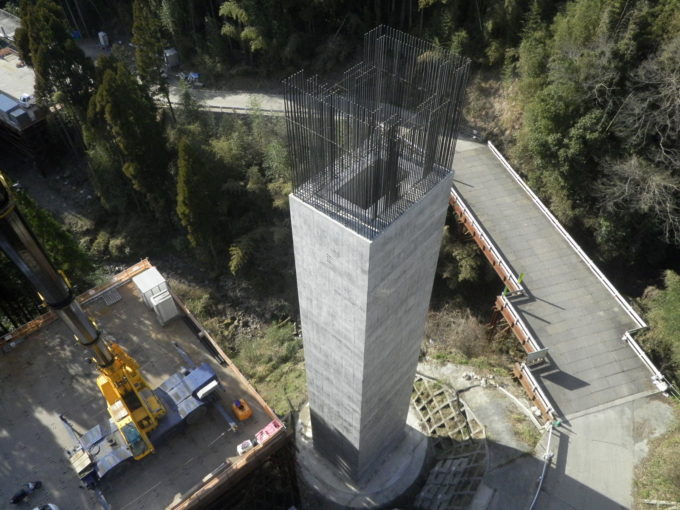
(100, 245)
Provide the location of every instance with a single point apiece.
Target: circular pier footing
(325, 487)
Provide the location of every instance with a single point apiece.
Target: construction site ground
(515, 466)
(15, 80)
(48, 374)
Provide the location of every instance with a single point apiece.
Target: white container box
(149, 283)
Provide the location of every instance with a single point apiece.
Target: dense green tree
(59, 64)
(19, 303)
(198, 193)
(23, 44)
(459, 258)
(62, 249)
(228, 191)
(663, 337)
(598, 135)
(146, 36)
(178, 18)
(122, 109)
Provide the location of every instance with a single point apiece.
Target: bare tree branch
(638, 187)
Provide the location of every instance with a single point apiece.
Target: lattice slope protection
(367, 148)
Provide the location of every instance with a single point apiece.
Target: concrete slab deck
(567, 308)
(594, 380)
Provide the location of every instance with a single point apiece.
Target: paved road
(8, 24)
(17, 81)
(594, 380)
(217, 100)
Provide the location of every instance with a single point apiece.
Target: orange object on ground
(241, 409)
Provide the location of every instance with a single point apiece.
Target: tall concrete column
(372, 158)
(363, 305)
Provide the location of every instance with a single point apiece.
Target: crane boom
(23, 249)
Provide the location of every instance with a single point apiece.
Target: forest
(583, 96)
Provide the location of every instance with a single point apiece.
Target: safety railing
(659, 380)
(534, 390)
(521, 331)
(499, 263)
(273, 112)
(116, 281)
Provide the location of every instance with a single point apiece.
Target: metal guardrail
(530, 384)
(228, 109)
(484, 241)
(659, 380)
(516, 322)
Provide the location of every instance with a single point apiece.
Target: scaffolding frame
(368, 147)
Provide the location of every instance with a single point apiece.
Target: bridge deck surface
(567, 308)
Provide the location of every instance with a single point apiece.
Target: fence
(243, 110)
(500, 265)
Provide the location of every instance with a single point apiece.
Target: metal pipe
(24, 250)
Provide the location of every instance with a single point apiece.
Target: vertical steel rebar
(366, 148)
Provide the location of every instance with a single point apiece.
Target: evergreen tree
(198, 195)
(146, 36)
(122, 109)
(59, 64)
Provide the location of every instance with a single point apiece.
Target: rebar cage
(368, 147)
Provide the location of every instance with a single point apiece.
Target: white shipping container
(171, 58)
(149, 283)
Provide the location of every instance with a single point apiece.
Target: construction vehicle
(135, 409)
